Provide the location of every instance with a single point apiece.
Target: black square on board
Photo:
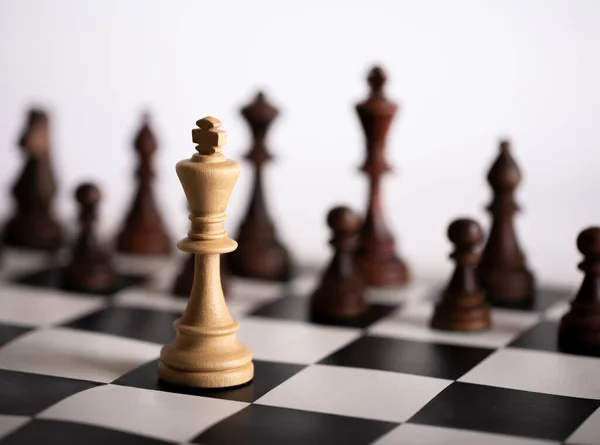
(297, 308)
(24, 394)
(139, 323)
(545, 297)
(266, 425)
(543, 336)
(53, 432)
(408, 356)
(9, 332)
(51, 278)
(506, 411)
(267, 375)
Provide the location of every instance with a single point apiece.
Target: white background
(465, 73)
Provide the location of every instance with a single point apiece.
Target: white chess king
(206, 352)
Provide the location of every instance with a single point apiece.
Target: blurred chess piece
(206, 352)
(143, 232)
(377, 259)
(89, 268)
(463, 306)
(260, 253)
(340, 292)
(579, 330)
(33, 225)
(503, 270)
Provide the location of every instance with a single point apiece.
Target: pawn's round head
(87, 195)
(343, 219)
(588, 243)
(465, 232)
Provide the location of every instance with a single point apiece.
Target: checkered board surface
(82, 369)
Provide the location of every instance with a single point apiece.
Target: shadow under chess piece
(503, 271)
(33, 225)
(260, 254)
(206, 352)
(143, 232)
(463, 306)
(184, 281)
(340, 293)
(377, 259)
(579, 330)
(89, 268)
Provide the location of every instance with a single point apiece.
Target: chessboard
(82, 368)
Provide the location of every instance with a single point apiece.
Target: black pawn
(89, 269)
(579, 330)
(463, 306)
(340, 293)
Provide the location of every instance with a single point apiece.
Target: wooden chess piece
(89, 269)
(33, 225)
(185, 279)
(206, 352)
(463, 306)
(260, 253)
(340, 293)
(503, 271)
(143, 232)
(579, 330)
(377, 259)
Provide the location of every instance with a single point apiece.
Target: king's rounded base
(208, 379)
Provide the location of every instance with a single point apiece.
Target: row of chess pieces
(369, 260)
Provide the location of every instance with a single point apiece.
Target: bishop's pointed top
(260, 110)
(34, 139)
(377, 79)
(145, 142)
(504, 173)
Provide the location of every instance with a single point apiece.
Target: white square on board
(354, 392)
(290, 341)
(38, 307)
(156, 414)
(539, 371)
(76, 354)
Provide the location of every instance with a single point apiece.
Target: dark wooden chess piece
(503, 271)
(184, 281)
(89, 268)
(259, 254)
(579, 330)
(463, 306)
(143, 232)
(33, 225)
(340, 293)
(376, 255)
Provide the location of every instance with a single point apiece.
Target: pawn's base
(579, 330)
(268, 261)
(509, 288)
(210, 379)
(465, 314)
(334, 299)
(44, 235)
